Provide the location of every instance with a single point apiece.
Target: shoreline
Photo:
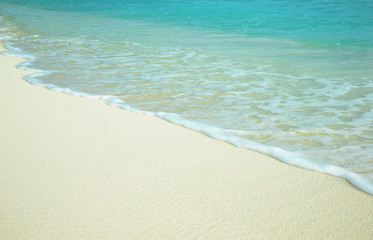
(77, 168)
(357, 180)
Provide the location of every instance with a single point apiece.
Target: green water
(292, 74)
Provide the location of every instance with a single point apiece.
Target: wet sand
(76, 168)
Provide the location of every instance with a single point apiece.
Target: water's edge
(214, 132)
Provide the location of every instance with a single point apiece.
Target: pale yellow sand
(75, 168)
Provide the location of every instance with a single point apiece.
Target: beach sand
(76, 168)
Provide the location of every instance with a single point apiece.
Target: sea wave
(226, 135)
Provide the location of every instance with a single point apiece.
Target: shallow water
(294, 75)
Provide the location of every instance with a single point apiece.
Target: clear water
(296, 75)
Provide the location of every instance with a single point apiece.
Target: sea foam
(214, 132)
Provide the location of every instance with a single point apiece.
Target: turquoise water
(292, 79)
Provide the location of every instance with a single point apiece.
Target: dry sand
(75, 168)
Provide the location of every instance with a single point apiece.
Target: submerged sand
(76, 168)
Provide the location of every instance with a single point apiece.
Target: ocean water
(293, 79)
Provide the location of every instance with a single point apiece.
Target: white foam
(211, 131)
(282, 155)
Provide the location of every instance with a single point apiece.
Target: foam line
(214, 132)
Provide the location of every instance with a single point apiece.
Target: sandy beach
(76, 168)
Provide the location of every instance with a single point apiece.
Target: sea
(289, 78)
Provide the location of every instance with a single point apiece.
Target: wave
(218, 133)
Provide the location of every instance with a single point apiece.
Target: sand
(76, 168)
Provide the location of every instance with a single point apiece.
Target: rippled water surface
(291, 74)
